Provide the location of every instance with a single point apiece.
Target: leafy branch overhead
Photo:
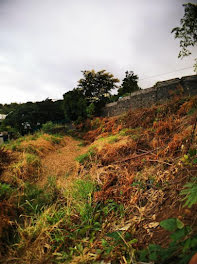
(187, 32)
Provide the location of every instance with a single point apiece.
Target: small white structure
(2, 117)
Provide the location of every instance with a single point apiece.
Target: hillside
(116, 195)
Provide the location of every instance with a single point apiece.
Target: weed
(34, 199)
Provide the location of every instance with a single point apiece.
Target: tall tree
(74, 105)
(129, 84)
(96, 86)
(187, 32)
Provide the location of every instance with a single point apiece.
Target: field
(120, 190)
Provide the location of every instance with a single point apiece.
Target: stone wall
(161, 92)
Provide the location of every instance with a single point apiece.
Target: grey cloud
(44, 44)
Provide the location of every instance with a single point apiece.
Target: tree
(28, 117)
(96, 86)
(187, 32)
(75, 105)
(24, 118)
(129, 84)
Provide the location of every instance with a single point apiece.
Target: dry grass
(137, 165)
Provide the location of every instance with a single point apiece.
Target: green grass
(86, 156)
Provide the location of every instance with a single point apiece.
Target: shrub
(47, 127)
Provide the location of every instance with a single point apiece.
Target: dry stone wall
(162, 91)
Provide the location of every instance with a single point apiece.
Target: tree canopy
(187, 32)
(129, 84)
(95, 86)
(74, 105)
(91, 94)
(28, 117)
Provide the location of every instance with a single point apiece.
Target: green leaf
(192, 152)
(143, 255)
(153, 256)
(115, 235)
(180, 224)
(195, 161)
(104, 242)
(169, 224)
(179, 234)
(187, 245)
(133, 241)
(194, 242)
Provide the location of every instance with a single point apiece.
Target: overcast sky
(45, 44)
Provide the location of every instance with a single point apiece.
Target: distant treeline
(28, 117)
(84, 101)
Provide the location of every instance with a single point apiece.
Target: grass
(109, 209)
(86, 157)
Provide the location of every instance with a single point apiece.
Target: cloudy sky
(45, 44)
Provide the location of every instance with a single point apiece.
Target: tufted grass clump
(86, 157)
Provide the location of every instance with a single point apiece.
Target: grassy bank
(132, 196)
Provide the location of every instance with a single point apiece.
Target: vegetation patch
(86, 157)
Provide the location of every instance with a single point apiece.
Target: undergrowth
(133, 198)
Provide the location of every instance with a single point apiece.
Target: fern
(190, 193)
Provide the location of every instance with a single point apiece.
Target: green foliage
(47, 127)
(187, 32)
(121, 241)
(111, 206)
(129, 84)
(75, 105)
(34, 199)
(28, 117)
(5, 191)
(172, 224)
(86, 156)
(181, 248)
(83, 189)
(91, 94)
(112, 139)
(56, 139)
(90, 110)
(33, 159)
(190, 158)
(96, 85)
(190, 193)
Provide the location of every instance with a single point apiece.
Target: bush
(47, 127)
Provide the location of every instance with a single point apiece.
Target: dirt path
(61, 163)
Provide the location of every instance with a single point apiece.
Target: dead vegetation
(127, 180)
(143, 169)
